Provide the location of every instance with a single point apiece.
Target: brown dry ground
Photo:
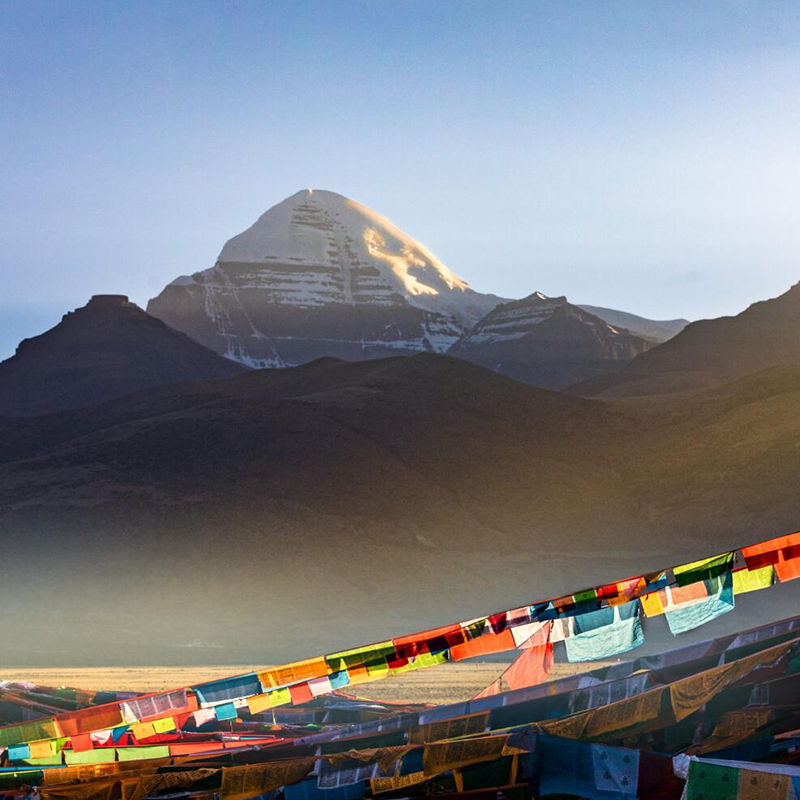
(445, 684)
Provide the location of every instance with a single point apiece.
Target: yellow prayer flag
(164, 725)
(42, 749)
(258, 703)
(378, 669)
(279, 697)
(651, 604)
(143, 730)
(745, 580)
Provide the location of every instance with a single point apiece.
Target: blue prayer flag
(604, 633)
(225, 711)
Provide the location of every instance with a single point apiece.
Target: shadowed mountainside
(711, 351)
(547, 342)
(107, 349)
(335, 503)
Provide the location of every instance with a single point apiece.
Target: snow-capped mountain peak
(319, 274)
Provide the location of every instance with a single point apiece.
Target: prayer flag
(143, 730)
(746, 580)
(118, 733)
(530, 668)
(703, 570)
(163, 725)
(100, 755)
(604, 633)
(295, 672)
(258, 703)
(696, 612)
(300, 693)
(320, 686)
(18, 752)
(41, 749)
(783, 552)
(484, 645)
(280, 697)
(358, 656)
(228, 689)
(203, 716)
(652, 604)
(141, 753)
(81, 743)
(225, 711)
(339, 679)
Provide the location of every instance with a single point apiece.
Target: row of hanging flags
(607, 733)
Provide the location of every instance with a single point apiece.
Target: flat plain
(447, 683)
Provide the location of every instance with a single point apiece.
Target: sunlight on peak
(400, 264)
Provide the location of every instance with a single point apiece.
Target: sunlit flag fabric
(604, 633)
(693, 613)
(783, 553)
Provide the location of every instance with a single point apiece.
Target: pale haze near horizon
(637, 155)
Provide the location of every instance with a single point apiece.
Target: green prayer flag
(712, 782)
(431, 659)
(359, 656)
(28, 732)
(100, 755)
(279, 697)
(43, 761)
(377, 668)
(703, 570)
(140, 753)
(586, 596)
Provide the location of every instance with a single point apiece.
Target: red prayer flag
(82, 743)
(532, 667)
(301, 693)
(783, 552)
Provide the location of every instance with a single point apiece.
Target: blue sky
(640, 155)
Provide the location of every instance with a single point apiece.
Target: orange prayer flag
(483, 645)
(293, 673)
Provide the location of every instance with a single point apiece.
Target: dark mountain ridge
(712, 351)
(547, 342)
(107, 349)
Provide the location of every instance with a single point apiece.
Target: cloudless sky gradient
(643, 155)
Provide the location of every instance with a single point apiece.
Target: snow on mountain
(547, 342)
(321, 275)
(657, 330)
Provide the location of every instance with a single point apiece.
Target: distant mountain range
(106, 349)
(547, 342)
(655, 330)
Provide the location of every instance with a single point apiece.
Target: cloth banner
(605, 633)
(783, 553)
(691, 614)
